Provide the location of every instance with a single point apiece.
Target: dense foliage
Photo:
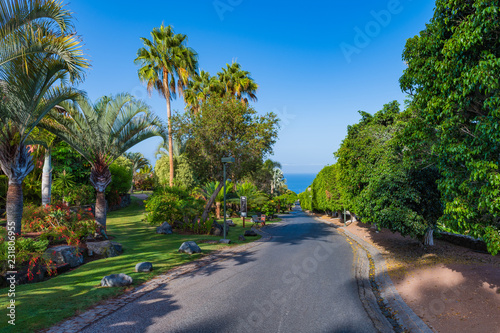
(452, 75)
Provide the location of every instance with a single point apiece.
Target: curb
(401, 312)
(78, 323)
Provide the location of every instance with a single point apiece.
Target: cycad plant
(101, 132)
(38, 52)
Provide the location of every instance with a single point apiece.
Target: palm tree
(250, 191)
(34, 27)
(208, 190)
(138, 162)
(200, 88)
(238, 83)
(38, 51)
(101, 132)
(179, 147)
(166, 66)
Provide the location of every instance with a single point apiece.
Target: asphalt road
(302, 280)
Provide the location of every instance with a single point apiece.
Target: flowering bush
(58, 223)
(269, 208)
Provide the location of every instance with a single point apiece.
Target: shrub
(121, 176)
(269, 208)
(175, 206)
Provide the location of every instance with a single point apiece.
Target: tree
(138, 162)
(166, 66)
(222, 128)
(452, 76)
(379, 185)
(209, 189)
(237, 83)
(101, 132)
(38, 52)
(325, 192)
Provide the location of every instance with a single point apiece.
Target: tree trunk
(340, 216)
(47, 178)
(210, 202)
(100, 209)
(15, 206)
(169, 121)
(217, 210)
(428, 238)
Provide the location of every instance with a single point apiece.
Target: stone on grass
(230, 223)
(116, 280)
(190, 247)
(242, 238)
(144, 267)
(250, 233)
(64, 254)
(107, 249)
(225, 241)
(164, 229)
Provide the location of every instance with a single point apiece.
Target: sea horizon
(299, 182)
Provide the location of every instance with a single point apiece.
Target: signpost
(243, 209)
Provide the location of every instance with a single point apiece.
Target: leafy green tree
(101, 132)
(452, 76)
(379, 185)
(222, 128)
(325, 192)
(166, 66)
(38, 51)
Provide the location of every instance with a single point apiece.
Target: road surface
(302, 280)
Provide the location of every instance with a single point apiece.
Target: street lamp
(225, 160)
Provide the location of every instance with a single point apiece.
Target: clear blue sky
(313, 66)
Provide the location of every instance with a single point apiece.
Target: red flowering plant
(59, 224)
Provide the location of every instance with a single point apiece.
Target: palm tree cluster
(170, 67)
(40, 59)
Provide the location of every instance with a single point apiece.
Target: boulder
(225, 241)
(144, 267)
(64, 254)
(106, 248)
(230, 223)
(242, 238)
(250, 233)
(218, 229)
(116, 280)
(189, 247)
(164, 229)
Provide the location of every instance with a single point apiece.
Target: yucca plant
(101, 132)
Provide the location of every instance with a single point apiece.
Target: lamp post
(225, 161)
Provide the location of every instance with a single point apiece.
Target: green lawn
(42, 305)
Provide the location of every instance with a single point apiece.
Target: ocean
(299, 182)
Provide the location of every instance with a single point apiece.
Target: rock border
(79, 322)
(406, 319)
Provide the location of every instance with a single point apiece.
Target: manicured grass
(43, 304)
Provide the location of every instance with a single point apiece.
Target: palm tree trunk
(100, 209)
(15, 206)
(47, 178)
(217, 209)
(210, 202)
(169, 121)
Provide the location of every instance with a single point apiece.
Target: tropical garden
(432, 166)
(68, 161)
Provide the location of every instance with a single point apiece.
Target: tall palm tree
(238, 83)
(166, 66)
(179, 147)
(38, 52)
(200, 88)
(101, 132)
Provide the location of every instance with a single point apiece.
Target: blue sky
(317, 63)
